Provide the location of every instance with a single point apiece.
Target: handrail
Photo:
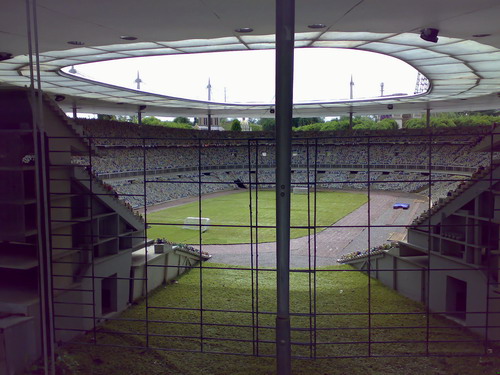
(385, 167)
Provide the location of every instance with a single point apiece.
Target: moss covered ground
(355, 318)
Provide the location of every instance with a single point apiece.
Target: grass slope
(233, 211)
(342, 323)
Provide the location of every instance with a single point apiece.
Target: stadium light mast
(351, 88)
(138, 80)
(209, 88)
(351, 96)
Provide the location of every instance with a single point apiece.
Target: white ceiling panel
(191, 26)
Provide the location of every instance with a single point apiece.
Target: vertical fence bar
(42, 163)
(309, 255)
(252, 270)
(200, 238)
(89, 245)
(429, 237)
(315, 258)
(145, 202)
(285, 26)
(491, 267)
(369, 243)
(256, 180)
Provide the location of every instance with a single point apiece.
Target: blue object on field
(404, 206)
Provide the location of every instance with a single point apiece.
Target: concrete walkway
(347, 235)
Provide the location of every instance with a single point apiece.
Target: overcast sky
(248, 76)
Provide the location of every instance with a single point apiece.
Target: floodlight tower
(351, 96)
(209, 88)
(351, 92)
(138, 80)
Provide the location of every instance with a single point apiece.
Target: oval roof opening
(248, 77)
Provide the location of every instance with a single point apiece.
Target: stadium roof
(463, 66)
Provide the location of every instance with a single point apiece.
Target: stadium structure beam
(46, 303)
(285, 35)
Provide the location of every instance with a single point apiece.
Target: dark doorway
(456, 298)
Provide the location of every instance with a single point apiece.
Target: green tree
(223, 120)
(236, 125)
(182, 120)
(415, 123)
(106, 117)
(310, 127)
(150, 120)
(177, 125)
(157, 122)
(453, 119)
(386, 123)
(476, 120)
(133, 119)
(268, 124)
(302, 121)
(363, 123)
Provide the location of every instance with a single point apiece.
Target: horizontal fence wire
(378, 281)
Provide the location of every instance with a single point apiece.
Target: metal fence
(440, 255)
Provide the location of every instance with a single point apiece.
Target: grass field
(234, 210)
(342, 321)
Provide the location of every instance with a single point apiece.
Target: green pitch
(233, 211)
(363, 316)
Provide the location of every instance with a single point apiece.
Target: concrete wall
(16, 354)
(73, 309)
(476, 292)
(160, 268)
(408, 276)
(399, 274)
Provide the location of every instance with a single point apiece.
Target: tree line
(371, 122)
(343, 123)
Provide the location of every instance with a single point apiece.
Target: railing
(373, 167)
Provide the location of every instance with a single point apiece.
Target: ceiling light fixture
(429, 35)
(76, 43)
(317, 26)
(244, 30)
(5, 56)
(59, 98)
(128, 37)
(480, 35)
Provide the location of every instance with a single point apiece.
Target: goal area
(194, 223)
(299, 190)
